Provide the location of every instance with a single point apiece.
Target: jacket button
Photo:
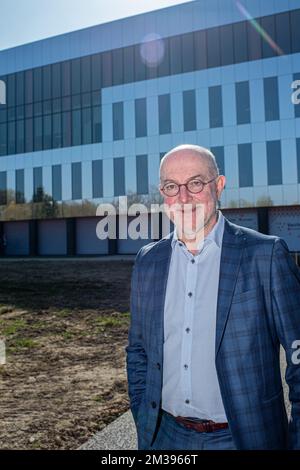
(153, 404)
(158, 365)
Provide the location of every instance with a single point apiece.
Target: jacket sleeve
(136, 358)
(285, 291)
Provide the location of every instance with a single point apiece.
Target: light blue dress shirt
(190, 383)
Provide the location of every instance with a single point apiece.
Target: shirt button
(185, 366)
(193, 261)
(187, 330)
(190, 294)
(187, 401)
(153, 404)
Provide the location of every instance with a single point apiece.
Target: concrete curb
(118, 435)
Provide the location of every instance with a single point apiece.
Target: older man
(210, 305)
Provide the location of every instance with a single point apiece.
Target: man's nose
(183, 194)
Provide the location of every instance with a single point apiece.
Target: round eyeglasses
(193, 186)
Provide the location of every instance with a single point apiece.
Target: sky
(23, 21)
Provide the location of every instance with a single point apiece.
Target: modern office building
(88, 115)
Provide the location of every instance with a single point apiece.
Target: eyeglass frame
(185, 184)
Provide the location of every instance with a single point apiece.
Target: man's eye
(170, 187)
(195, 184)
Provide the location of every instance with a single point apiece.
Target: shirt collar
(215, 235)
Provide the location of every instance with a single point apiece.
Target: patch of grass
(9, 328)
(68, 335)
(109, 322)
(98, 399)
(5, 309)
(64, 312)
(21, 343)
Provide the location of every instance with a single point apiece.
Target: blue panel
(17, 238)
(87, 242)
(52, 237)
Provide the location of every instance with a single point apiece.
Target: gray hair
(202, 152)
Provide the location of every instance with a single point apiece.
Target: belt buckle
(207, 426)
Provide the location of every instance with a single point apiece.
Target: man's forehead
(188, 164)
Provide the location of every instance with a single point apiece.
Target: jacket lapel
(232, 248)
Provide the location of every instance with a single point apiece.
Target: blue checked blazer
(258, 309)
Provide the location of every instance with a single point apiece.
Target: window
(28, 86)
(76, 127)
(188, 53)
(274, 164)
(283, 32)
(268, 24)
(189, 110)
(11, 90)
(37, 184)
(240, 42)
(3, 188)
(76, 181)
(96, 72)
(215, 106)
(296, 76)
(128, 64)
(38, 133)
(213, 48)
(164, 113)
(87, 126)
(3, 139)
(142, 174)
(85, 71)
(175, 55)
(20, 88)
(139, 66)
(219, 155)
(97, 128)
(119, 177)
(245, 165)
(56, 80)
(56, 183)
(11, 138)
(20, 136)
(47, 132)
(226, 40)
(271, 98)
(28, 135)
(140, 117)
(20, 186)
(117, 66)
(242, 98)
(57, 130)
(66, 78)
(97, 178)
(46, 71)
(118, 121)
(106, 69)
(75, 76)
(37, 84)
(298, 158)
(200, 50)
(164, 65)
(66, 129)
(254, 42)
(295, 30)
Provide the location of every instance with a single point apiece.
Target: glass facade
(140, 106)
(164, 114)
(56, 183)
(118, 121)
(97, 178)
(3, 188)
(76, 181)
(59, 105)
(119, 176)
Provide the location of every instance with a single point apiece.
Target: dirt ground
(65, 326)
